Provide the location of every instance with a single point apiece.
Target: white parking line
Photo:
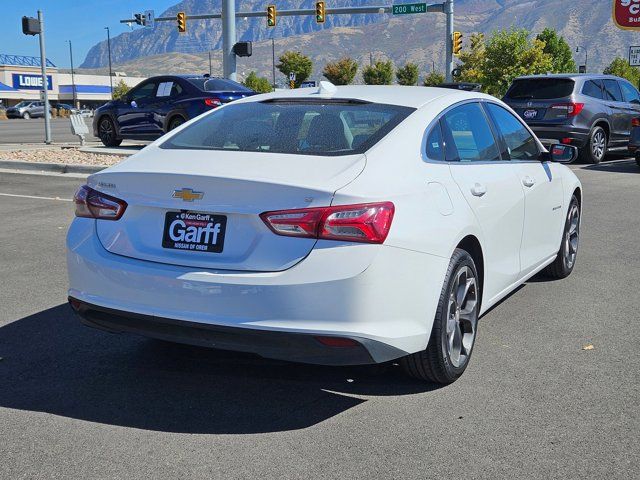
(35, 197)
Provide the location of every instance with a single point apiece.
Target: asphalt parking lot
(79, 403)
(18, 130)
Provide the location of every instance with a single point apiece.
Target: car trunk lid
(203, 189)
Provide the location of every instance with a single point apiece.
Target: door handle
(478, 190)
(528, 181)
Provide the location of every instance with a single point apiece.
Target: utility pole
(273, 62)
(110, 72)
(448, 10)
(73, 80)
(45, 84)
(229, 38)
(210, 68)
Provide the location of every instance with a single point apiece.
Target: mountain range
(415, 38)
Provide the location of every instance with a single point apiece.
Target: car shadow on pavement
(628, 166)
(51, 363)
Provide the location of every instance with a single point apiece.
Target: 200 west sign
(626, 14)
(23, 81)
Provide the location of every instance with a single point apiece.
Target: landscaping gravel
(61, 155)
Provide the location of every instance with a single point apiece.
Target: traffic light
(182, 22)
(457, 43)
(140, 18)
(271, 16)
(320, 18)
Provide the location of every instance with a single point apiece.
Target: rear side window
(629, 93)
(612, 90)
(468, 135)
(593, 89)
(520, 143)
(540, 88)
(304, 127)
(435, 144)
(218, 85)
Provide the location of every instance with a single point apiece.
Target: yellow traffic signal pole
(228, 16)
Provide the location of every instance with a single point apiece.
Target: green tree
(474, 59)
(341, 72)
(508, 54)
(434, 79)
(297, 63)
(380, 73)
(258, 84)
(120, 90)
(560, 51)
(408, 75)
(620, 68)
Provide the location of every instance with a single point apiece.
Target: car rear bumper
(383, 297)
(295, 347)
(578, 137)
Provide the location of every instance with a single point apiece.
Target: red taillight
(635, 122)
(568, 109)
(93, 204)
(336, 341)
(366, 223)
(212, 102)
(566, 141)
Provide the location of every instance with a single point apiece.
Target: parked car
(87, 113)
(591, 112)
(466, 86)
(26, 110)
(66, 106)
(344, 225)
(634, 140)
(160, 104)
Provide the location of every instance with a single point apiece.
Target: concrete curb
(51, 167)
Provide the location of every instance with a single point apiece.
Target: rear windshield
(540, 88)
(297, 127)
(218, 85)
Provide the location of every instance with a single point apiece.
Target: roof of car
(414, 97)
(571, 76)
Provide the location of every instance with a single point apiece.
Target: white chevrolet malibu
(337, 226)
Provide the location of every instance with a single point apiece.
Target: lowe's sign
(23, 81)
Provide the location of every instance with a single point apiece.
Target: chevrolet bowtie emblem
(187, 194)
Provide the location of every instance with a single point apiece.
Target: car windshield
(540, 88)
(219, 85)
(303, 127)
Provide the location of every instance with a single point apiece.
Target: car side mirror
(560, 154)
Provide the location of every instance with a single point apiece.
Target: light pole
(109, 48)
(448, 10)
(229, 38)
(73, 80)
(586, 56)
(45, 83)
(273, 62)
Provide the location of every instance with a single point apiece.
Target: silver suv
(591, 112)
(26, 110)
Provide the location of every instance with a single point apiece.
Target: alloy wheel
(599, 144)
(462, 317)
(572, 236)
(106, 131)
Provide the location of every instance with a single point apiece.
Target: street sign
(409, 8)
(292, 76)
(626, 14)
(150, 19)
(634, 56)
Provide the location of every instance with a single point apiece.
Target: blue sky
(81, 21)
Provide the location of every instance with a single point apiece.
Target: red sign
(626, 14)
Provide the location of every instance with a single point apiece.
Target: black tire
(175, 123)
(107, 133)
(596, 148)
(564, 263)
(436, 363)
(26, 115)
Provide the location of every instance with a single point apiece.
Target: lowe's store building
(21, 79)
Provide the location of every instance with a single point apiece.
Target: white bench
(79, 127)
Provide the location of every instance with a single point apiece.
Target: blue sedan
(160, 104)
